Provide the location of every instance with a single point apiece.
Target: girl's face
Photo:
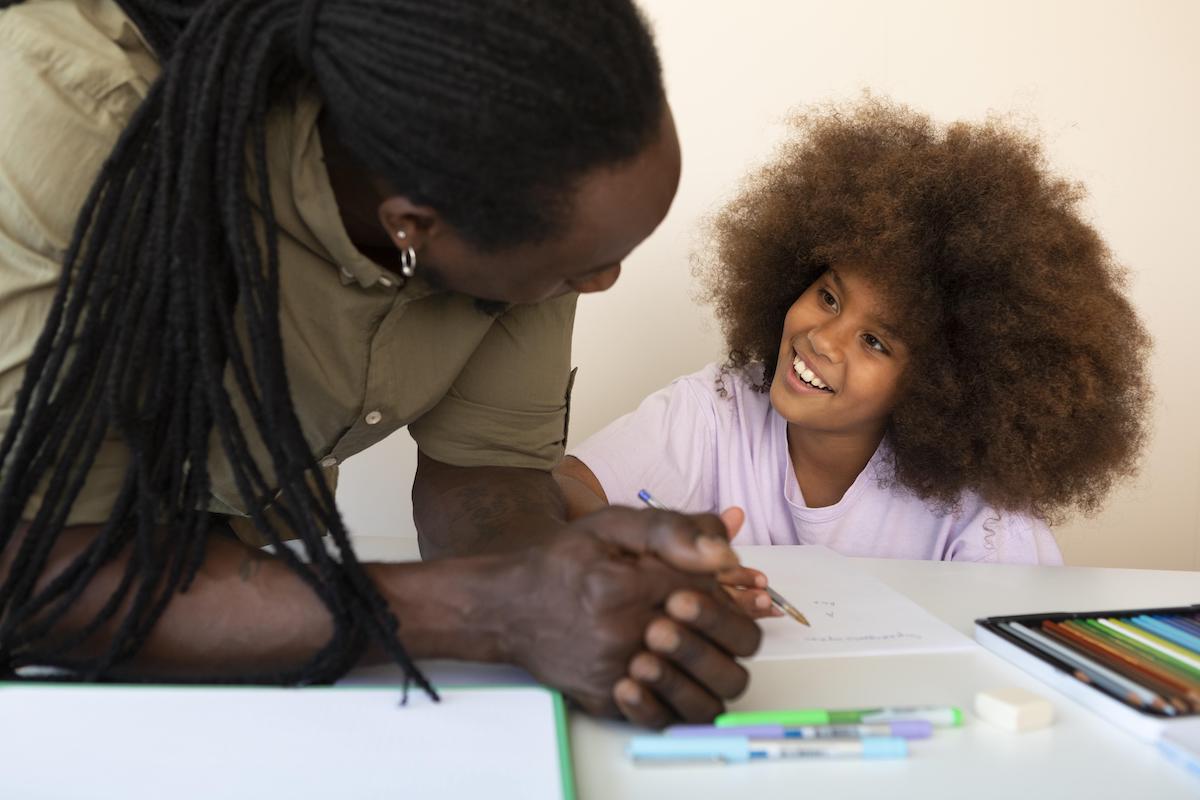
(840, 363)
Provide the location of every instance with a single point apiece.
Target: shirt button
(373, 417)
(329, 461)
(387, 282)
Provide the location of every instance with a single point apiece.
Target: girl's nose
(824, 342)
(597, 282)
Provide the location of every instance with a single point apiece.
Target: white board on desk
(852, 613)
(133, 742)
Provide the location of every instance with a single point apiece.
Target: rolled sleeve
(509, 405)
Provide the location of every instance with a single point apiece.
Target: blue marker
(741, 749)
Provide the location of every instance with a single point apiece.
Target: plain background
(1113, 89)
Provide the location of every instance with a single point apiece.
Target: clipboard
(139, 741)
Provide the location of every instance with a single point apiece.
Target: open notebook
(133, 742)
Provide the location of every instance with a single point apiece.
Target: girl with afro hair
(930, 353)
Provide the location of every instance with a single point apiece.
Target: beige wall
(1114, 89)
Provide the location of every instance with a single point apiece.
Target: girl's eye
(827, 298)
(874, 343)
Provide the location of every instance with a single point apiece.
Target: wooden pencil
(1132, 693)
(1178, 694)
(1145, 637)
(1176, 669)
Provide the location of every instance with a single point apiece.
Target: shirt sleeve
(67, 93)
(1004, 538)
(508, 407)
(666, 446)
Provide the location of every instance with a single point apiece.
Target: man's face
(614, 210)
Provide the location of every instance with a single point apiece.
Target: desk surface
(1080, 755)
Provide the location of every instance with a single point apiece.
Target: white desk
(1080, 756)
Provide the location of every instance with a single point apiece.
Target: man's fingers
(752, 602)
(686, 697)
(695, 543)
(710, 665)
(743, 577)
(640, 706)
(719, 622)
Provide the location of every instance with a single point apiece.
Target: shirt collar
(317, 207)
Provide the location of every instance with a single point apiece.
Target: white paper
(852, 613)
(129, 743)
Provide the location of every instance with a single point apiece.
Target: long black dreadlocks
(487, 110)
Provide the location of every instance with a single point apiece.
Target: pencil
(1176, 669)
(1168, 649)
(786, 607)
(777, 599)
(1133, 693)
(1174, 692)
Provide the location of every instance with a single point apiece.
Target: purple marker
(905, 729)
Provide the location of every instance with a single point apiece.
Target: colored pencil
(1172, 691)
(1166, 648)
(1133, 693)
(1182, 623)
(1187, 623)
(1168, 632)
(1176, 670)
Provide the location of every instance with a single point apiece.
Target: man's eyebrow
(883, 326)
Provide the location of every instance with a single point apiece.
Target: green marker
(938, 716)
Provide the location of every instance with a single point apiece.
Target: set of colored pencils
(1150, 661)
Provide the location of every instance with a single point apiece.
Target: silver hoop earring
(408, 257)
(408, 262)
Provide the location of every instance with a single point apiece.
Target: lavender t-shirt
(698, 451)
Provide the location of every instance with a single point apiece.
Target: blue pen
(776, 598)
(904, 729)
(741, 749)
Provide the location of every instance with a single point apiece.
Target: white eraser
(1014, 709)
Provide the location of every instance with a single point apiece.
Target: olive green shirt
(364, 357)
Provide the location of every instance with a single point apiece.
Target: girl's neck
(827, 464)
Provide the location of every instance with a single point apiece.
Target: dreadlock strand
(170, 302)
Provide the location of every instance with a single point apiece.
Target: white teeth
(806, 374)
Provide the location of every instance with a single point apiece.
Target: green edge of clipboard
(566, 767)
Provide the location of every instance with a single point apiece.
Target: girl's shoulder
(740, 385)
(732, 393)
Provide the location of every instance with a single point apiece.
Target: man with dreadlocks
(242, 240)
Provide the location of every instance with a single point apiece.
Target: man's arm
(466, 510)
(248, 612)
(573, 612)
(580, 487)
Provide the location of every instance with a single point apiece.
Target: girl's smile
(803, 378)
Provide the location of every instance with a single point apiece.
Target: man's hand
(599, 600)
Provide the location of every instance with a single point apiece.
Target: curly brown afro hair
(1024, 345)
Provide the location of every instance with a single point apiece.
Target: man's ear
(418, 223)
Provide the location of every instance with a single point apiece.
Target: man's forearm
(464, 511)
(247, 612)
